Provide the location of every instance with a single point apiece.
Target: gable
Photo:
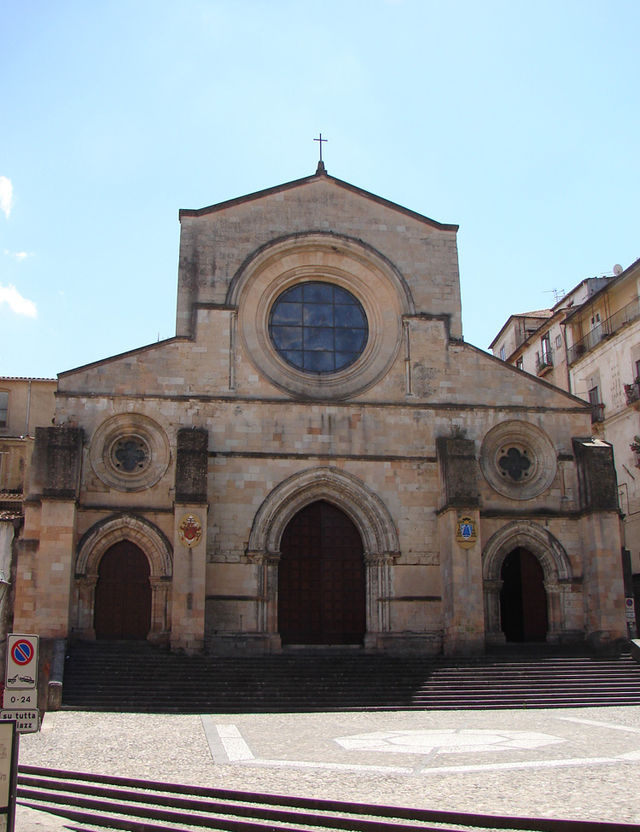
(219, 243)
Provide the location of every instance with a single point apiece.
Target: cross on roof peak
(321, 168)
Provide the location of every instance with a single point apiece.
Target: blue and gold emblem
(466, 532)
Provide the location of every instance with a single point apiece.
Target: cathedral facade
(318, 458)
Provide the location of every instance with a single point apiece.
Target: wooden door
(123, 594)
(523, 599)
(321, 583)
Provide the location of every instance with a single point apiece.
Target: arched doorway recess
(368, 514)
(155, 548)
(122, 608)
(523, 599)
(321, 578)
(557, 579)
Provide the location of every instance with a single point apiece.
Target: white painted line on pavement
(609, 725)
(225, 742)
(440, 770)
(331, 766)
(236, 748)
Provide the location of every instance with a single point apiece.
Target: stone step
(126, 676)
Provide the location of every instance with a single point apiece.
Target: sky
(519, 121)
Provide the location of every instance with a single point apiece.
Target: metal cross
(321, 140)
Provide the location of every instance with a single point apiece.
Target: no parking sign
(22, 662)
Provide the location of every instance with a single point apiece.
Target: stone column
(378, 597)
(493, 628)
(46, 557)
(85, 592)
(602, 543)
(460, 548)
(268, 565)
(160, 612)
(462, 590)
(189, 542)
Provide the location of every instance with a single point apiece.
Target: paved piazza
(567, 763)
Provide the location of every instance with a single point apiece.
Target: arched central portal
(321, 578)
(123, 593)
(523, 599)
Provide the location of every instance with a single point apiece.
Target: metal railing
(544, 361)
(605, 329)
(632, 392)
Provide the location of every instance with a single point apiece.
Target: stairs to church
(128, 676)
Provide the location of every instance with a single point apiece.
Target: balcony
(605, 329)
(597, 413)
(544, 362)
(632, 392)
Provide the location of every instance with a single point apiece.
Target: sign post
(9, 740)
(20, 701)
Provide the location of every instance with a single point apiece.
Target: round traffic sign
(22, 652)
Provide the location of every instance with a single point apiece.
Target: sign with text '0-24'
(22, 662)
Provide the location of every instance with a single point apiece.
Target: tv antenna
(558, 294)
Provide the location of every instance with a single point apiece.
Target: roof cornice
(319, 176)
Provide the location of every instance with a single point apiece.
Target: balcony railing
(632, 392)
(605, 329)
(597, 413)
(544, 362)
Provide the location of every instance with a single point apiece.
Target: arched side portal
(557, 577)
(122, 606)
(523, 599)
(155, 547)
(370, 518)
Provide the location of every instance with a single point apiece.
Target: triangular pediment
(309, 182)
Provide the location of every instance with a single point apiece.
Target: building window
(545, 345)
(520, 363)
(503, 353)
(636, 378)
(318, 327)
(597, 407)
(4, 408)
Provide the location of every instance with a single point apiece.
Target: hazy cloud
(6, 196)
(16, 303)
(17, 255)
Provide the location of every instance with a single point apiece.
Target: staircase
(131, 676)
(98, 801)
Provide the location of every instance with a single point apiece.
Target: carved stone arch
(93, 545)
(358, 248)
(348, 493)
(368, 513)
(556, 568)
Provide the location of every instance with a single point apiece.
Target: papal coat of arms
(466, 532)
(190, 529)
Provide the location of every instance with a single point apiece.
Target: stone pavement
(581, 763)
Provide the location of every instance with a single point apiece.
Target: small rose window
(130, 454)
(514, 462)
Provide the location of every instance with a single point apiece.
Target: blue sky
(516, 120)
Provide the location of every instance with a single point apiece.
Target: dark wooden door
(123, 594)
(523, 599)
(321, 583)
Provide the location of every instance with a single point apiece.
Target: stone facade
(206, 451)
(596, 329)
